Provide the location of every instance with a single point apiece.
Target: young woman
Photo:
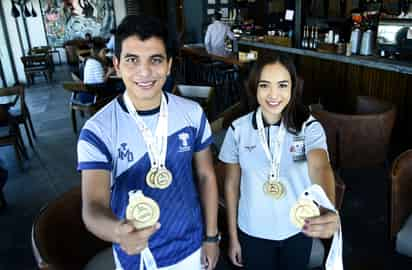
(272, 155)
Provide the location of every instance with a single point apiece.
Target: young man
(117, 155)
(216, 34)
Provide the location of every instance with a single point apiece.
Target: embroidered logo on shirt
(250, 148)
(125, 153)
(184, 137)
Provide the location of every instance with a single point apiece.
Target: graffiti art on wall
(71, 19)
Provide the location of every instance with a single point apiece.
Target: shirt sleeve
(92, 152)
(207, 38)
(93, 72)
(315, 137)
(204, 134)
(230, 34)
(229, 153)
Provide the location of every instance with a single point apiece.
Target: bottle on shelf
(303, 43)
(312, 38)
(316, 38)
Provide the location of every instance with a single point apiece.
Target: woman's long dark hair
(295, 113)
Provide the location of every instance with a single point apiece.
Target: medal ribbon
(147, 260)
(156, 145)
(277, 151)
(334, 260)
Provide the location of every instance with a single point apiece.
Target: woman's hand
(323, 226)
(235, 253)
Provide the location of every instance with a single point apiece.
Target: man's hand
(210, 255)
(131, 240)
(323, 226)
(235, 253)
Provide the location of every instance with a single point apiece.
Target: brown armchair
(60, 240)
(360, 139)
(401, 203)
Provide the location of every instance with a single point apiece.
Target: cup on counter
(348, 49)
(341, 48)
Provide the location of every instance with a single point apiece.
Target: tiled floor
(50, 171)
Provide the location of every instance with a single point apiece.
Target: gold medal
(163, 178)
(150, 177)
(304, 208)
(142, 211)
(274, 189)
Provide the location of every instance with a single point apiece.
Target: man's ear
(116, 64)
(170, 65)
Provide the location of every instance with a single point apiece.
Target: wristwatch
(212, 239)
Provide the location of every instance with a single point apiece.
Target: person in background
(110, 43)
(216, 34)
(278, 142)
(96, 70)
(89, 40)
(118, 155)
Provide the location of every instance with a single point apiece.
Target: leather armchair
(401, 203)
(360, 139)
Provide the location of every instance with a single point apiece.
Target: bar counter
(366, 61)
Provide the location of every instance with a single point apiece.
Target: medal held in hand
(273, 187)
(304, 208)
(141, 210)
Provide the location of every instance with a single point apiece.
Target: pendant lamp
(33, 12)
(26, 11)
(14, 10)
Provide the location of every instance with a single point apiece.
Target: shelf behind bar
(367, 61)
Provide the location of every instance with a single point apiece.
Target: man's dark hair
(97, 46)
(295, 113)
(143, 27)
(217, 16)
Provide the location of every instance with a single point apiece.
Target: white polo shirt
(260, 215)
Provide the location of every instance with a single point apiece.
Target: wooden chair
(204, 95)
(101, 99)
(37, 63)
(60, 239)
(10, 135)
(19, 110)
(401, 203)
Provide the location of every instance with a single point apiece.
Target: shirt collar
(120, 100)
(265, 124)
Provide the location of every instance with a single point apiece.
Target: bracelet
(212, 239)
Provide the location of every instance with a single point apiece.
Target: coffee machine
(394, 38)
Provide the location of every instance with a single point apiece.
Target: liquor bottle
(316, 40)
(312, 37)
(304, 37)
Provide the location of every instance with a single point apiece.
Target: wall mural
(70, 19)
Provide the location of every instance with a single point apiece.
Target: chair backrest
(60, 239)
(194, 91)
(36, 60)
(204, 95)
(401, 190)
(360, 139)
(14, 94)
